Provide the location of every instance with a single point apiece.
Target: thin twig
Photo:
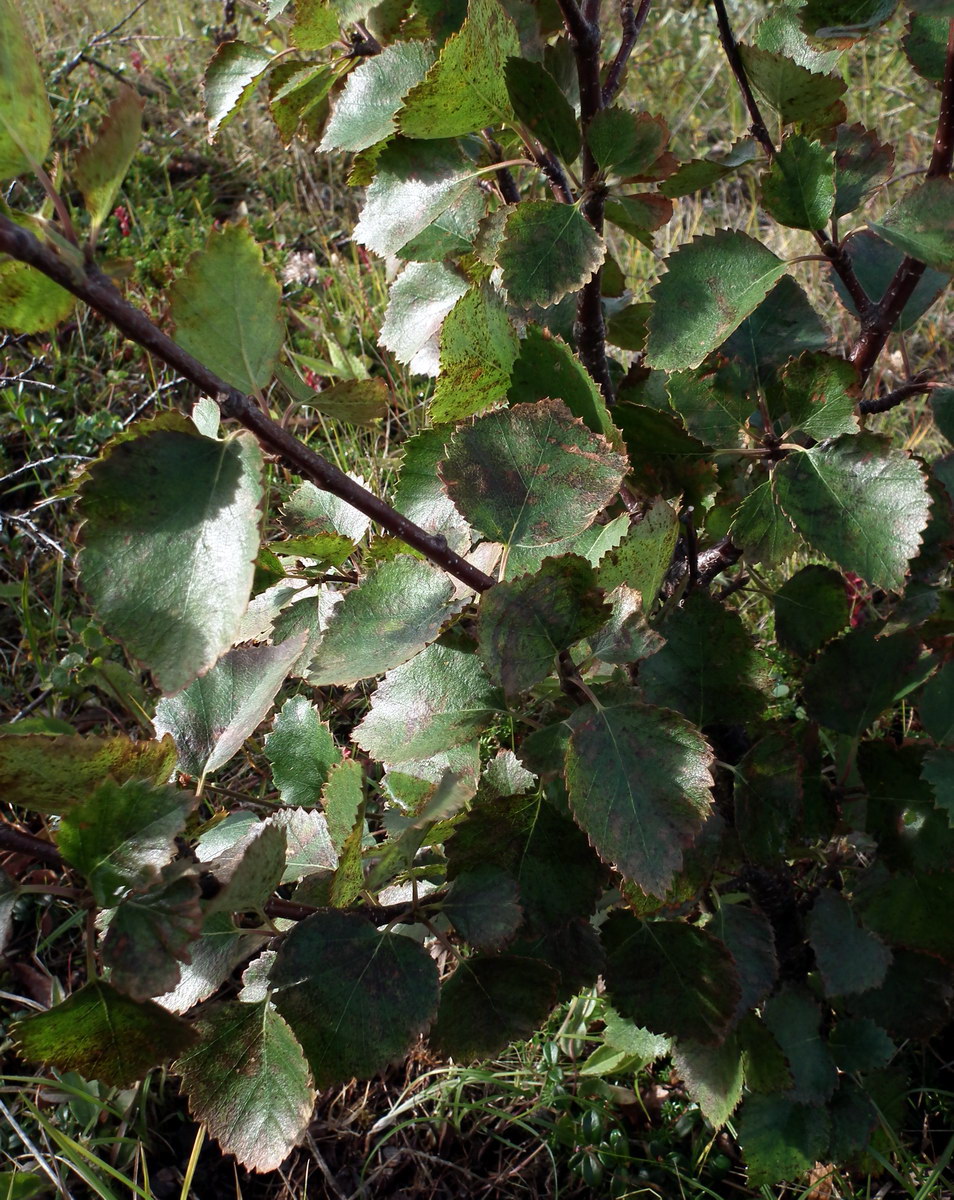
(36, 535)
(759, 129)
(25, 843)
(632, 24)
(505, 180)
(880, 404)
(99, 292)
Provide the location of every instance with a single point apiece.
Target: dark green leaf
(627, 636)
(639, 214)
(858, 1044)
(749, 938)
(860, 502)
(626, 143)
(301, 751)
(466, 88)
(22, 1185)
(845, 18)
(384, 621)
(547, 250)
(121, 835)
(364, 113)
(920, 224)
(810, 609)
(27, 120)
(490, 1002)
(936, 705)
(478, 348)
(230, 79)
(849, 958)
(904, 910)
(671, 977)
(708, 666)
(546, 367)
(915, 999)
(794, 1019)
(101, 166)
(103, 1035)
(713, 412)
(713, 1076)
(768, 797)
(531, 474)
(925, 44)
(860, 675)
(781, 1139)
(214, 715)
(762, 529)
(419, 494)
(226, 307)
(875, 263)
(711, 285)
(541, 105)
(819, 393)
(248, 1082)
(356, 999)
(441, 698)
(665, 459)
(53, 774)
(798, 189)
(942, 408)
(638, 780)
(783, 325)
(174, 506)
(484, 906)
(795, 93)
(421, 297)
(298, 99)
(643, 557)
(526, 622)
(861, 164)
(150, 934)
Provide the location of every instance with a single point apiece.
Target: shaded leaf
(355, 999)
(845, 18)
(671, 977)
(920, 224)
(103, 1035)
(626, 143)
(794, 1019)
(248, 1082)
(781, 1139)
(547, 250)
(936, 705)
(849, 958)
(27, 124)
(302, 751)
(172, 506)
(768, 797)
(915, 999)
(749, 938)
(643, 557)
(810, 609)
(861, 164)
(819, 392)
(798, 189)
(540, 104)
(298, 99)
(796, 94)
(762, 529)
(30, 302)
(546, 367)
(249, 871)
(212, 958)
(226, 307)
(483, 906)
(638, 780)
(214, 715)
(711, 285)
(364, 113)
(875, 263)
(860, 502)
(904, 909)
(713, 1076)
(489, 1002)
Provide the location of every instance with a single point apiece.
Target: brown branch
(26, 843)
(632, 23)
(880, 404)
(875, 332)
(759, 129)
(505, 180)
(100, 294)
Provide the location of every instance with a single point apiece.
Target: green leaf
(415, 183)
(212, 958)
(22, 1185)
(849, 957)
(308, 846)
(858, 501)
(478, 348)
(547, 251)
(904, 910)
(783, 325)
(671, 977)
(638, 780)
(626, 637)
(26, 120)
(466, 88)
(643, 557)
(639, 214)
(920, 224)
(250, 871)
(781, 33)
(708, 665)
(795, 1019)
(150, 933)
(795, 93)
(390, 616)
(712, 409)
(531, 474)
(546, 367)
(356, 999)
(122, 835)
(311, 511)
(592, 544)
(30, 302)
(420, 496)
(248, 1083)
(861, 674)
(845, 18)
(526, 622)
(810, 609)
(819, 393)
(711, 285)
(342, 800)
(441, 698)
(781, 1139)
(484, 906)
(540, 104)
(925, 44)
(769, 797)
(936, 705)
(626, 143)
(315, 25)
(365, 112)
(101, 166)
(226, 307)
(214, 715)
(302, 751)
(489, 1002)
(54, 774)
(233, 74)
(861, 163)
(875, 263)
(762, 529)
(421, 297)
(298, 99)
(798, 189)
(713, 1076)
(103, 1035)
(748, 935)
(173, 506)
